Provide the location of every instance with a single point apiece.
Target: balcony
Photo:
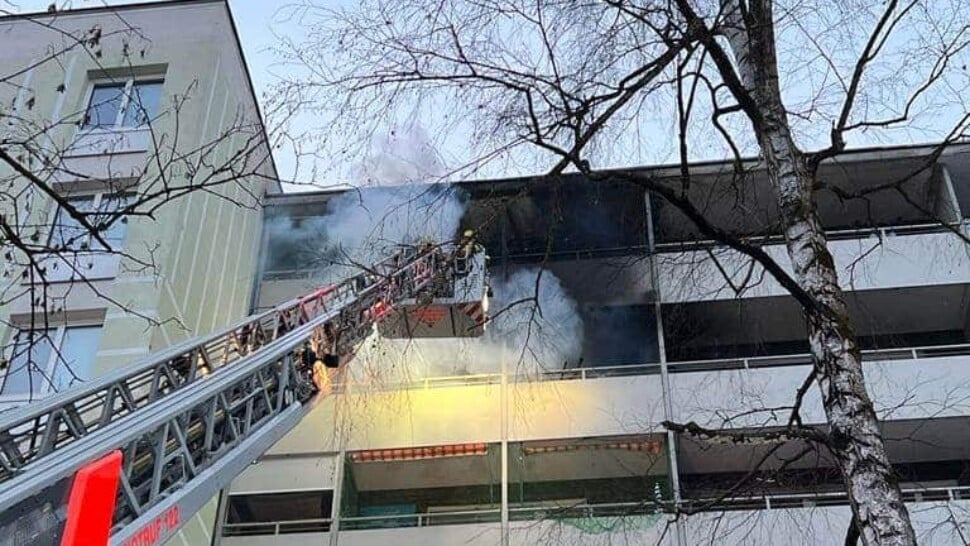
(919, 255)
(913, 383)
(940, 517)
(797, 519)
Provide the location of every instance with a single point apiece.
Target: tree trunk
(880, 514)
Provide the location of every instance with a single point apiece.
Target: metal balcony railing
(811, 500)
(276, 527)
(424, 519)
(582, 511)
(653, 368)
(831, 235)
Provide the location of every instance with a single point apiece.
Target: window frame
(49, 368)
(97, 197)
(258, 527)
(126, 96)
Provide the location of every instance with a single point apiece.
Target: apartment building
(148, 104)
(673, 327)
(469, 443)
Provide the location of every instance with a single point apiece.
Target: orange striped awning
(652, 447)
(415, 453)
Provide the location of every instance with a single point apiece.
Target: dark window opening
(279, 513)
(569, 221)
(619, 336)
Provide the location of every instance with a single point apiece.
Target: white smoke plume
(530, 338)
(363, 226)
(547, 334)
(402, 156)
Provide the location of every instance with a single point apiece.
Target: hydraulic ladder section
(189, 419)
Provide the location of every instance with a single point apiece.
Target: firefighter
(466, 247)
(322, 356)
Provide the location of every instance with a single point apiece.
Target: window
(42, 361)
(278, 513)
(68, 234)
(114, 105)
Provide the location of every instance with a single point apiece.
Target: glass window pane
(26, 372)
(75, 361)
(143, 106)
(105, 105)
(115, 234)
(67, 233)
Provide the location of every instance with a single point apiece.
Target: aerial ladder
(127, 458)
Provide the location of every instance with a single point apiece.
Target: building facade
(674, 328)
(549, 430)
(144, 106)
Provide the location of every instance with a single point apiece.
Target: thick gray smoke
(364, 225)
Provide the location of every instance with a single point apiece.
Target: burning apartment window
(127, 103)
(67, 234)
(576, 479)
(421, 486)
(278, 513)
(42, 361)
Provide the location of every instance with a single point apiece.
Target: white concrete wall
(898, 261)
(901, 389)
(453, 415)
(287, 474)
(934, 523)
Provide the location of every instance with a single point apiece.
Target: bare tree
(568, 85)
(51, 239)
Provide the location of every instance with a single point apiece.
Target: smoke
(532, 330)
(400, 157)
(365, 225)
(547, 334)
(530, 336)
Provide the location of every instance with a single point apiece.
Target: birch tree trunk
(880, 514)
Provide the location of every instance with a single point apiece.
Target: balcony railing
(580, 511)
(583, 511)
(276, 527)
(831, 235)
(811, 500)
(424, 519)
(802, 359)
(654, 368)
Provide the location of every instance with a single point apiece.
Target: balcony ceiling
(748, 206)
